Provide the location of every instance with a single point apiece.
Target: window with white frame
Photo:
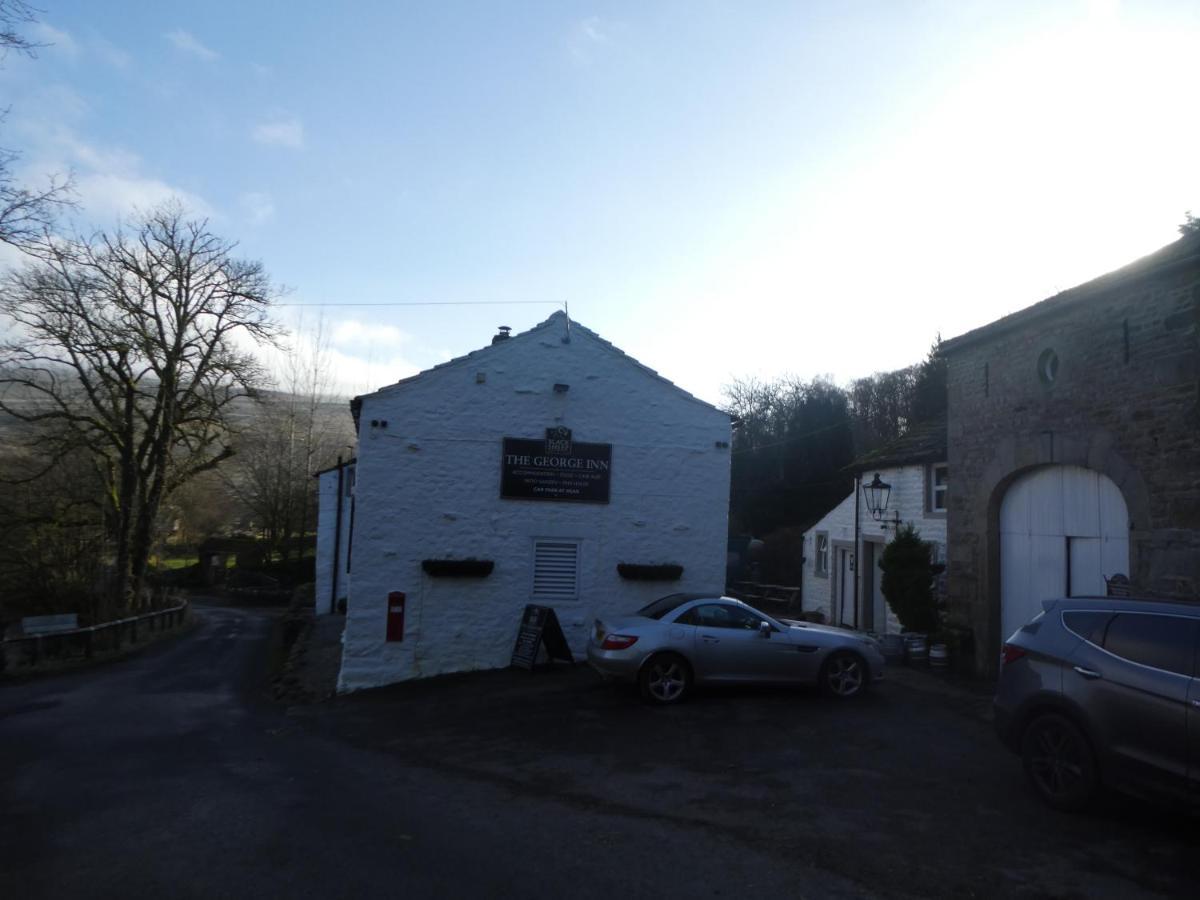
(939, 479)
(821, 553)
(556, 569)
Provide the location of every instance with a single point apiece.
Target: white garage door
(1063, 530)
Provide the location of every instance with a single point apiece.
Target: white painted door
(873, 614)
(1063, 530)
(845, 606)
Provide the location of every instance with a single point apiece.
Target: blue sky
(723, 189)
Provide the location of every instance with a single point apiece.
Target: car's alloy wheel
(1059, 762)
(844, 675)
(665, 679)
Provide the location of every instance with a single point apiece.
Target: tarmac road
(166, 775)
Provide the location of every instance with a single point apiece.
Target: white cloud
(110, 182)
(364, 374)
(587, 38)
(358, 356)
(106, 196)
(57, 40)
(258, 207)
(187, 43)
(10, 256)
(62, 101)
(109, 53)
(356, 333)
(592, 30)
(280, 131)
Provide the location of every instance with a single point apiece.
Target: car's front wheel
(665, 678)
(844, 675)
(1059, 762)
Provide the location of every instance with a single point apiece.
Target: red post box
(395, 616)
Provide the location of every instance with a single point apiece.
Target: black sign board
(539, 626)
(557, 468)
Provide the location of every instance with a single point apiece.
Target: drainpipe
(857, 555)
(337, 540)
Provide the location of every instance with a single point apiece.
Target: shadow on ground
(905, 790)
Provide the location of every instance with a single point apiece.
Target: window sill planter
(458, 568)
(641, 572)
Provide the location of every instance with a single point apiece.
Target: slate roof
(924, 442)
(570, 327)
(1183, 252)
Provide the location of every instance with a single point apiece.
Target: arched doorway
(1063, 530)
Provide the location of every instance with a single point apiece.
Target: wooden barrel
(916, 649)
(939, 656)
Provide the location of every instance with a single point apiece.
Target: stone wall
(428, 486)
(1123, 400)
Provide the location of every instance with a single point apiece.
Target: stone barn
(1074, 448)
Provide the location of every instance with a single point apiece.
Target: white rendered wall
(907, 497)
(428, 486)
(816, 589)
(327, 485)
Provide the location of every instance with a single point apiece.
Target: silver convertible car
(685, 639)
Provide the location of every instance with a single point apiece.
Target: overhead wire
(426, 303)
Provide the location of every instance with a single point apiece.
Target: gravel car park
(905, 792)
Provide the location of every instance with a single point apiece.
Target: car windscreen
(664, 605)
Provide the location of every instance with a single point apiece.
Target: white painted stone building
(437, 451)
(335, 511)
(915, 467)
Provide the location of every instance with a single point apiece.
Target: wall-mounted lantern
(877, 494)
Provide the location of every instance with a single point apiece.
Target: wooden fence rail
(84, 643)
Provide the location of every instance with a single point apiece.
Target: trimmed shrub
(908, 573)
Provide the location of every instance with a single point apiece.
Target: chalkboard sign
(539, 626)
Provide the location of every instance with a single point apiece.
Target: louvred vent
(555, 569)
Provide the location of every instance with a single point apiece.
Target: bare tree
(51, 532)
(295, 430)
(13, 15)
(127, 344)
(25, 213)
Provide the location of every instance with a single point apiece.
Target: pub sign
(556, 468)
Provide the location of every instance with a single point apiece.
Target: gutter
(857, 543)
(337, 538)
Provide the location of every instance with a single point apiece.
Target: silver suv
(1103, 690)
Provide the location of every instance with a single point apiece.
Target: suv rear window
(1088, 625)
(1163, 642)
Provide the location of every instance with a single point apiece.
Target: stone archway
(1064, 530)
(974, 522)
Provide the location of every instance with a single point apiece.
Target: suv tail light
(1011, 653)
(618, 641)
